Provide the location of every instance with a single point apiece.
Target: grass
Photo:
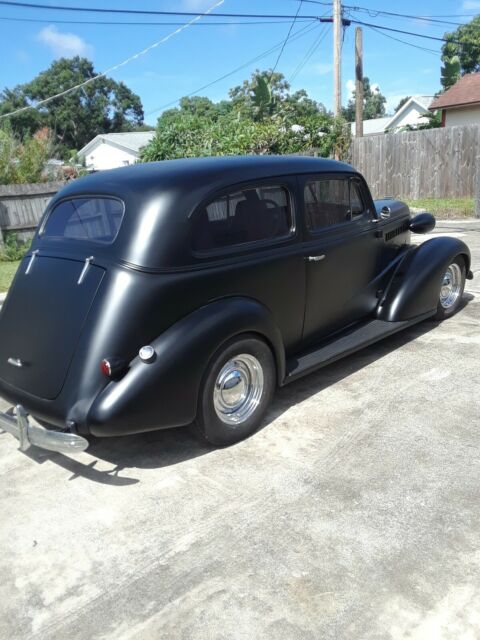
(7, 271)
(446, 208)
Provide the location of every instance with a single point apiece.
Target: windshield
(92, 219)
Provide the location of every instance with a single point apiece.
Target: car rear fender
(415, 284)
(164, 393)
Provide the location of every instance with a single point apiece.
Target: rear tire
(236, 391)
(451, 289)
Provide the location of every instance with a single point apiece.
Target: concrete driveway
(353, 514)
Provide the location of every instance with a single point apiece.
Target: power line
(150, 23)
(298, 34)
(51, 7)
(372, 12)
(117, 66)
(286, 39)
(411, 44)
(312, 49)
(376, 12)
(410, 33)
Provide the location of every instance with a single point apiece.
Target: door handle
(315, 258)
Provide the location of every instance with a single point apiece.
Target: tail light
(113, 367)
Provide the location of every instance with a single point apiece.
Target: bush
(23, 161)
(13, 248)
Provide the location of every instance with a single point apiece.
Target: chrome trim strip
(15, 421)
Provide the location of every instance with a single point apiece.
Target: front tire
(451, 289)
(236, 391)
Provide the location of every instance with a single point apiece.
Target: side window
(357, 206)
(327, 202)
(245, 215)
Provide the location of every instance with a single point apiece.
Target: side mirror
(422, 223)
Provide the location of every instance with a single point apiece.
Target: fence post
(477, 188)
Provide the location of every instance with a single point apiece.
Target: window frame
(86, 196)
(285, 182)
(366, 216)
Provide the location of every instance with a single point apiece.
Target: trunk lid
(42, 319)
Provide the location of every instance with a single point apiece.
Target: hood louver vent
(403, 228)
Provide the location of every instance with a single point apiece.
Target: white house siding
(106, 156)
(462, 116)
(411, 116)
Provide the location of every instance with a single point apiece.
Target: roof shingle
(465, 91)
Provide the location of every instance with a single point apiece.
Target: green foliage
(103, 106)
(450, 71)
(262, 117)
(23, 161)
(7, 273)
(13, 248)
(468, 52)
(373, 103)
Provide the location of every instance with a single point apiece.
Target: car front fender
(164, 393)
(414, 288)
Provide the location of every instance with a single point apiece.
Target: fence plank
(435, 163)
(22, 206)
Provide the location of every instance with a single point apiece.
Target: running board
(348, 343)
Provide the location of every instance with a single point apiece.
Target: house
(111, 150)
(460, 105)
(371, 127)
(412, 114)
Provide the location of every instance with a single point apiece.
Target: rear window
(92, 219)
(245, 215)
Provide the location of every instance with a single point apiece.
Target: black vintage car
(184, 292)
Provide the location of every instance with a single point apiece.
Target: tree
(450, 71)
(258, 119)
(102, 106)
(402, 102)
(373, 103)
(464, 44)
(267, 94)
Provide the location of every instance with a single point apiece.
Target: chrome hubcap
(238, 389)
(451, 286)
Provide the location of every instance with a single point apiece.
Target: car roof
(229, 169)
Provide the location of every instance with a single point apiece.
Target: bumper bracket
(16, 422)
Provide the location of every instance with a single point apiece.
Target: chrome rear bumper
(16, 422)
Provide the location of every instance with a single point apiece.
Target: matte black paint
(422, 223)
(148, 287)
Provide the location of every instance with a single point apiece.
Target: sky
(199, 55)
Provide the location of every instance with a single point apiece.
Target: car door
(342, 253)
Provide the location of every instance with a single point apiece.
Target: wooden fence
(22, 206)
(435, 163)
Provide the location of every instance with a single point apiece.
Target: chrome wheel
(238, 389)
(451, 286)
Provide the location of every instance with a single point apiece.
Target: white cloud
(471, 4)
(323, 68)
(350, 84)
(64, 44)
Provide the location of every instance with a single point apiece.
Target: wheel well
(467, 261)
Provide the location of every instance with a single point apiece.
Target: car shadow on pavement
(169, 447)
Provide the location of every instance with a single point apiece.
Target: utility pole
(337, 57)
(358, 83)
